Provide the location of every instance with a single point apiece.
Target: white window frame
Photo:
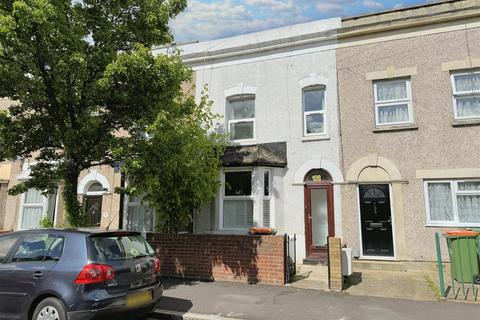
(251, 197)
(386, 103)
(462, 94)
(44, 206)
(128, 204)
(454, 193)
(308, 113)
(245, 120)
(269, 197)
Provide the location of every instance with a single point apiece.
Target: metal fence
(290, 257)
(464, 267)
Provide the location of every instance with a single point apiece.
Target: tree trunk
(73, 209)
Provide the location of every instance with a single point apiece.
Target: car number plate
(139, 299)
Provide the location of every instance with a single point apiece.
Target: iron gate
(290, 257)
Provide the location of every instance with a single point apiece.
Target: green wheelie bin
(464, 254)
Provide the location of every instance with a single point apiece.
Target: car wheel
(50, 309)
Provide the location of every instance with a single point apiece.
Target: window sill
(395, 128)
(466, 122)
(315, 138)
(242, 142)
(434, 225)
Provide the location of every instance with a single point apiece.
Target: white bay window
(246, 198)
(453, 203)
(393, 102)
(466, 95)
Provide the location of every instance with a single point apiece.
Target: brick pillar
(335, 278)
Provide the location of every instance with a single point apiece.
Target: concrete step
(400, 266)
(313, 272)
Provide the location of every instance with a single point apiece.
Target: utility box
(347, 262)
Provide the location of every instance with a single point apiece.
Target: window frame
(44, 205)
(140, 203)
(224, 197)
(268, 197)
(387, 103)
(462, 94)
(454, 193)
(244, 120)
(308, 113)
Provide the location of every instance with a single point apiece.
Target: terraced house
(277, 93)
(409, 106)
(96, 186)
(364, 128)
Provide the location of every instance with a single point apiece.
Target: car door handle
(37, 275)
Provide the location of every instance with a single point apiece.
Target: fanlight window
(317, 175)
(95, 187)
(374, 195)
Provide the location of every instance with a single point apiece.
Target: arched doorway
(93, 204)
(319, 213)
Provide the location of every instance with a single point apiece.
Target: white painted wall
(277, 77)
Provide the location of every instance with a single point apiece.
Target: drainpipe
(122, 201)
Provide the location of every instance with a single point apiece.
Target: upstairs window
(393, 102)
(241, 118)
(466, 95)
(314, 111)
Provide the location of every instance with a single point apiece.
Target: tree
(81, 72)
(175, 166)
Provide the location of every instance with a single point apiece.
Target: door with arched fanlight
(93, 204)
(376, 220)
(319, 215)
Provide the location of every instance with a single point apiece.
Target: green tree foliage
(80, 72)
(175, 164)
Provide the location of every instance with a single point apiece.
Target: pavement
(415, 285)
(221, 301)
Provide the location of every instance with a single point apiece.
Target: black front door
(376, 220)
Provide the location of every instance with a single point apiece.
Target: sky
(214, 19)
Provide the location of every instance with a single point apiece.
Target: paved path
(260, 302)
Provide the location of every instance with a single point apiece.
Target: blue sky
(213, 19)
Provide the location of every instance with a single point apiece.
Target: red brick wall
(252, 259)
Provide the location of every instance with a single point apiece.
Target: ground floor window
(453, 203)
(36, 206)
(246, 198)
(140, 217)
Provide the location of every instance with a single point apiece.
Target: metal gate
(290, 257)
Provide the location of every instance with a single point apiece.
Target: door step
(316, 262)
(360, 265)
(403, 266)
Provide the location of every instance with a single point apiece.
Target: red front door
(319, 219)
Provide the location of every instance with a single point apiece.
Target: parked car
(54, 274)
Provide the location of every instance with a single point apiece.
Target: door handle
(37, 275)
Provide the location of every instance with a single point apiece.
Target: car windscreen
(107, 248)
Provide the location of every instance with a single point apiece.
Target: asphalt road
(259, 302)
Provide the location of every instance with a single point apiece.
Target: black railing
(290, 257)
